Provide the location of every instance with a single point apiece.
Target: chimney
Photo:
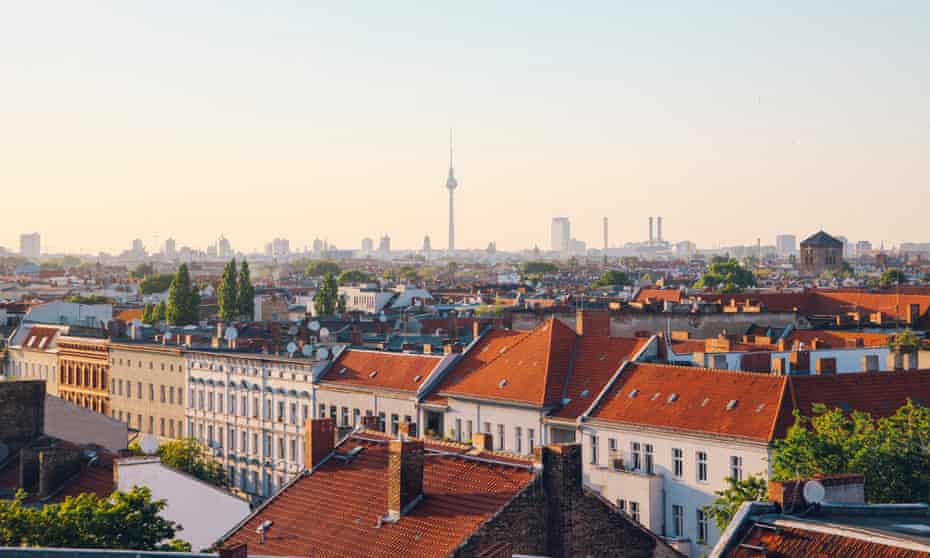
(595, 323)
(356, 336)
(483, 441)
(650, 231)
(371, 422)
(659, 229)
(319, 440)
(405, 476)
(476, 329)
(240, 550)
(838, 489)
(427, 348)
(561, 477)
(450, 348)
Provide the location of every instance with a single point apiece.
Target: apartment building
(33, 354)
(250, 410)
(147, 388)
(84, 372)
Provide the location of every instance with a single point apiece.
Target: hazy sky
(329, 119)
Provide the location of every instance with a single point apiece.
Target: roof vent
(566, 401)
(503, 350)
(603, 357)
(655, 396)
(502, 383)
(633, 393)
(732, 404)
(760, 407)
(417, 378)
(585, 393)
(705, 401)
(672, 398)
(342, 371)
(373, 374)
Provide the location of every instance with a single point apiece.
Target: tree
(327, 297)
(124, 520)
(612, 278)
(161, 311)
(157, 283)
(89, 299)
(906, 339)
(228, 292)
(187, 455)
(726, 276)
(355, 276)
(538, 268)
(183, 299)
(892, 277)
(890, 452)
(141, 271)
(148, 314)
(246, 292)
(321, 268)
(753, 488)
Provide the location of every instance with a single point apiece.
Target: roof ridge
(526, 335)
(702, 369)
(781, 397)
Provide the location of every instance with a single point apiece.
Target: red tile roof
(687, 346)
(130, 314)
(334, 511)
(380, 370)
(596, 361)
(836, 339)
(826, 543)
(695, 400)
(526, 367)
(40, 338)
(655, 293)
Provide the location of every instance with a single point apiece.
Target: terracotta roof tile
(334, 511)
(793, 541)
(836, 339)
(381, 370)
(695, 400)
(596, 361)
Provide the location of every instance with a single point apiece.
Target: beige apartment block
(147, 388)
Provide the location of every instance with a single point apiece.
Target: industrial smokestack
(605, 235)
(659, 229)
(651, 239)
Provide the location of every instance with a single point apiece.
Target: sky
(733, 120)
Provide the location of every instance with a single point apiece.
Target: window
(266, 445)
(293, 413)
(345, 416)
(267, 409)
(621, 503)
(280, 448)
(139, 386)
(634, 511)
(245, 442)
(381, 421)
(293, 445)
(210, 437)
(468, 432)
(322, 410)
(702, 466)
(518, 439)
(637, 456)
(678, 462)
(255, 407)
(612, 445)
(500, 437)
(332, 413)
(650, 460)
(280, 411)
(254, 443)
(678, 527)
(231, 440)
(232, 404)
(594, 441)
(210, 401)
(736, 467)
(219, 402)
(161, 426)
(305, 410)
(530, 439)
(356, 416)
(487, 428)
(701, 526)
(458, 430)
(394, 424)
(151, 392)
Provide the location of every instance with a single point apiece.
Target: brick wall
(56, 465)
(22, 410)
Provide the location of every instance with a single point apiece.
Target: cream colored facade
(147, 388)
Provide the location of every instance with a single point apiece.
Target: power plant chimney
(651, 239)
(659, 229)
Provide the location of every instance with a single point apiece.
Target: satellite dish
(814, 492)
(307, 350)
(314, 326)
(292, 330)
(291, 347)
(169, 335)
(232, 333)
(323, 353)
(382, 318)
(324, 332)
(149, 444)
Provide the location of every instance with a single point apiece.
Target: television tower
(451, 185)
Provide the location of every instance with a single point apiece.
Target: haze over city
(732, 120)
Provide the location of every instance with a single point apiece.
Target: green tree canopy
(890, 452)
(327, 297)
(90, 299)
(355, 276)
(753, 488)
(183, 299)
(538, 268)
(125, 520)
(892, 277)
(611, 278)
(246, 298)
(142, 271)
(157, 283)
(726, 275)
(228, 292)
(321, 268)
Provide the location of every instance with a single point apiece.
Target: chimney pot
(371, 422)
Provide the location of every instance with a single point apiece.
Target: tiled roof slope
(394, 371)
(526, 367)
(695, 400)
(836, 339)
(334, 512)
(596, 361)
(877, 393)
(654, 293)
(40, 338)
(793, 541)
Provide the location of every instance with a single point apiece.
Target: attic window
(502, 383)
(633, 393)
(760, 407)
(373, 374)
(503, 350)
(705, 401)
(585, 393)
(417, 378)
(732, 404)
(603, 357)
(672, 398)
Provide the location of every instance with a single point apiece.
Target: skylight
(417, 378)
(373, 374)
(633, 393)
(502, 383)
(672, 397)
(585, 393)
(732, 404)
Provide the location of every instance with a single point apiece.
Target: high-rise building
(384, 246)
(138, 249)
(171, 249)
(561, 234)
(451, 185)
(280, 247)
(224, 248)
(427, 244)
(30, 245)
(368, 245)
(318, 246)
(863, 248)
(786, 244)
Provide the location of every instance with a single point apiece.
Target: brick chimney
(475, 328)
(838, 489)
(561, 477)
(319, 439)
(594, 323)
(371, 422)
(483, 441)
(240, 550)
(450, 348)
(405, 476)
(356, 336)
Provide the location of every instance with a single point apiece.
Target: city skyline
(187, 130)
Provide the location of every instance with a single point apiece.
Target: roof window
(732, 404)
(373, 374)
(633, 393)
(673, 397)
